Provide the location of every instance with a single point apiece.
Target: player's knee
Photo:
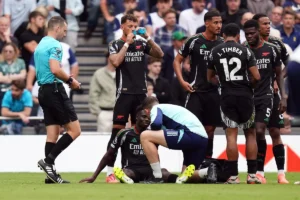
(260, 133)
(275, 134)
(145, 135)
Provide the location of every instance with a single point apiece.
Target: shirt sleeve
(185, 49)
(27, 99)
(250, 58)
(210, 64)
(113, 48)
(56, 53)
(277, 59)
(72, 58)
(156, 119)
(284, 53)
(6, 102)
(149, 21)
(31, 62)
(119, 140)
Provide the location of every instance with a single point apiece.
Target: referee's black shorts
(58, 108)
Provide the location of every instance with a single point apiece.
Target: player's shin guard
(261, 154)
(279, 155)
(209, 148)
(61, 145)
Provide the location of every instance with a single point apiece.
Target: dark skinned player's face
(143, 120)
(214, 25)
(264, 26)
(252, 36)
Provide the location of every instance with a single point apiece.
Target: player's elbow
(161, 54)
(257, 77)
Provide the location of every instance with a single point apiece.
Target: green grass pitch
(30, 186)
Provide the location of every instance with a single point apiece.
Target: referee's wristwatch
(69, 81)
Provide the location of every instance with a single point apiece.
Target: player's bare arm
(279, 80)
(118, 58)
(107, 158)
(59, 73)
(155, 51)
(177, 68)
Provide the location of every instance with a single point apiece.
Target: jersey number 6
(232, 76)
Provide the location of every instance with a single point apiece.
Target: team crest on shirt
(265, 54)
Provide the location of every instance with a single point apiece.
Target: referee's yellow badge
(295, 39)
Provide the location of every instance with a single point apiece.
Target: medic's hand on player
(282, 105)
(187, 87)
(88, 180)
(129, 38)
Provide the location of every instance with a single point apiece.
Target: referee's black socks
(261, 154)
(48, 148)
(61, 145)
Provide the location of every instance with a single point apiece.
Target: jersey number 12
(231, 76)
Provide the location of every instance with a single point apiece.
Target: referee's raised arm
(57, 107)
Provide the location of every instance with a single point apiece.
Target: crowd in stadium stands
(23, 23)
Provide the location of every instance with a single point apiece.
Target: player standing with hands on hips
(127, 54)
(58, 108)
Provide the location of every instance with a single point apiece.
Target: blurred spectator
(293, 72)
(93, 16)
(155, 20)
(221, 6)
(24, 26)
(193, 18)
(150, 90)
(128, 5)
(109, 17)
(163, 35)
(167, 67)
(32, 36)
(69, 10)
(288, 33)
(276, 17)
(247, 16)
(102, 96)
(68, 63)
(160, 84)
(234, 13)
(260, 6)
(17, 102)
(293, 4)
(12, 68)
(5, 36)
(17, 11)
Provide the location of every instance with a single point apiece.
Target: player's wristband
(69, 81)
(148, 38)
(126, 45)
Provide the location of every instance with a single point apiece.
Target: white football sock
(203, 172)
(156, 170)
(110, 170)
(261, 173)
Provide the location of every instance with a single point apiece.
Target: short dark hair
(210, 14)
(289, 12)
(35, 14)
(153, 60)
(56, 20)
(20, 84)
(171, 10)
(131, 11)
(251, 24)
(148, 102)
(232, 30)
(163, 1)
(129, 17)
(258, 16)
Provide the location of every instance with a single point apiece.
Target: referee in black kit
(58, 108)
